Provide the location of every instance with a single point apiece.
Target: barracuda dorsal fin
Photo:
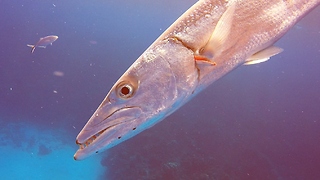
(220, 33)
(263, 55)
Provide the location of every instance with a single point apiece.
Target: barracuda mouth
(93, 138)
(105, 131)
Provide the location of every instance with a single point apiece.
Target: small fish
(43, 42)
(208, 41)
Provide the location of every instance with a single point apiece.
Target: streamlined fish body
(209, 40)
(43, 42)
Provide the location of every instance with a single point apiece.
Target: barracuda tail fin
(33, 47)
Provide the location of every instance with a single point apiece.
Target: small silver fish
(43, 42)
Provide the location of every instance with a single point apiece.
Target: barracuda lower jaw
(90, 140)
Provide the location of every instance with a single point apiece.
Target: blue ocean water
(258, 122)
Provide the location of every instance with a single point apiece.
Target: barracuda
(209, 40)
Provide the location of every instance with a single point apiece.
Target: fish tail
(33, 47)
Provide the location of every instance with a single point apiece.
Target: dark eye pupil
(125, 90)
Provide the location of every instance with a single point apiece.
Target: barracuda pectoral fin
(219, 36)
(263, 55)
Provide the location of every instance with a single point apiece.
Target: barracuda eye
(125, 90)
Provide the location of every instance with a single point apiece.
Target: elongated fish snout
(105, 130)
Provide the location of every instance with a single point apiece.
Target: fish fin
(203, 59)
(263, 55)
(33, 47)
(220, 33)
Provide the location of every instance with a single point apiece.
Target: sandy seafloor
(258, 122)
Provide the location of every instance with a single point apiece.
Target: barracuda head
(139, 99)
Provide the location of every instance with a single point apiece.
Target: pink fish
(43, 42)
